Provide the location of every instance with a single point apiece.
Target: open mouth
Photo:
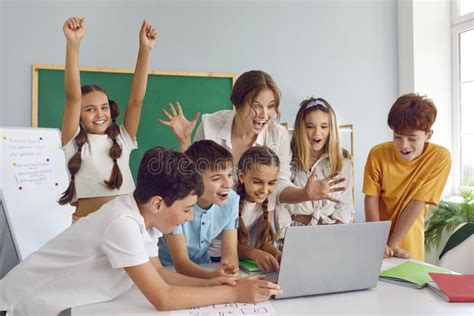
(99, 122)
(316, 141)
(259, 124)
(223, 195)
(405, 152)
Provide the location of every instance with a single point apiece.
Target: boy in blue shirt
(215, 215)
(103, 254)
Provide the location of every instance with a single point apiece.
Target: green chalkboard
(203, 92)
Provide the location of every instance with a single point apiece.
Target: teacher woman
(256, 99)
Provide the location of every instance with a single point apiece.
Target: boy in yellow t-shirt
(405, 175)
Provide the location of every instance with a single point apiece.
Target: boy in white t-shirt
(103, 254)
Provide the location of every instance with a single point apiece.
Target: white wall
(345, 51)
(1, 62)
(425, 66)
(425, 61)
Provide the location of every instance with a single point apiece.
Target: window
(463, 93)
(465, 7)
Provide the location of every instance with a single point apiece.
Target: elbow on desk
(162, 306)
(162, 301)
(167, 299)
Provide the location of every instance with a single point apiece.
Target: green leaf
(446, 217)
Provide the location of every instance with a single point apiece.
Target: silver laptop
(331, 258)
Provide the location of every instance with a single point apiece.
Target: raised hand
(74, 29)
(254, 289)
(180, 125)
(320, 189)
(148, 35)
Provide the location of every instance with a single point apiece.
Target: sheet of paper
(30, 161)
(228, 309)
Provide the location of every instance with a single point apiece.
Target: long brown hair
(74, 164)
(265, 233)
(249, 85)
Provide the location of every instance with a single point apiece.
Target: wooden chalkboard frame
(37, 67)
(205, 92)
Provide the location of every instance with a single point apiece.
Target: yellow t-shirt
(397, 182)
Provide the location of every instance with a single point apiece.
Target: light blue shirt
(203, 229)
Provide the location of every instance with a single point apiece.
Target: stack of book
(451, 287)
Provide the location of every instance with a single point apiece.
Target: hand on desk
(265, 261)
(254, 289)
(396, 252)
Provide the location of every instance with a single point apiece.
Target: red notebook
(453, 287)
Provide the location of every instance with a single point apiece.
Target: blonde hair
(300, 145)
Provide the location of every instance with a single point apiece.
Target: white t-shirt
(218, 127)
(251, 213)
(96, 164)
(82, 265)
(325, 210)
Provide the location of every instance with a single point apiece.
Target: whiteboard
(33, 175)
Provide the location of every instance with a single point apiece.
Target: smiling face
(317, 130)
(259, 182)
(258, 114)
(411, 146)
(217, 184)
(95, 112)
(166, 218)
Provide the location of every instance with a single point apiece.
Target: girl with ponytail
(258, 173)
(97, 148)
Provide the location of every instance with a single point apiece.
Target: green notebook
(249, 266)
(411, 274)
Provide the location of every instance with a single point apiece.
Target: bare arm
(181, 260)
(266, 258)
(229, 247)
(148, 37)
(404, 223)
(74, 29)
(167, 297)
(174, 278)
(313, 190)
(371, 204)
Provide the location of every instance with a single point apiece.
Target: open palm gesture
(180, 125)
(320, 189)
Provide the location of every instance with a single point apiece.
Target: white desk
(385, 299)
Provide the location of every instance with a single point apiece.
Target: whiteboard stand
(33, 175)
(8, 254)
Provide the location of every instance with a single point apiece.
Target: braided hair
(74, 164)
(265, 233)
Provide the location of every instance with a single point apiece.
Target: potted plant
(446, 217)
